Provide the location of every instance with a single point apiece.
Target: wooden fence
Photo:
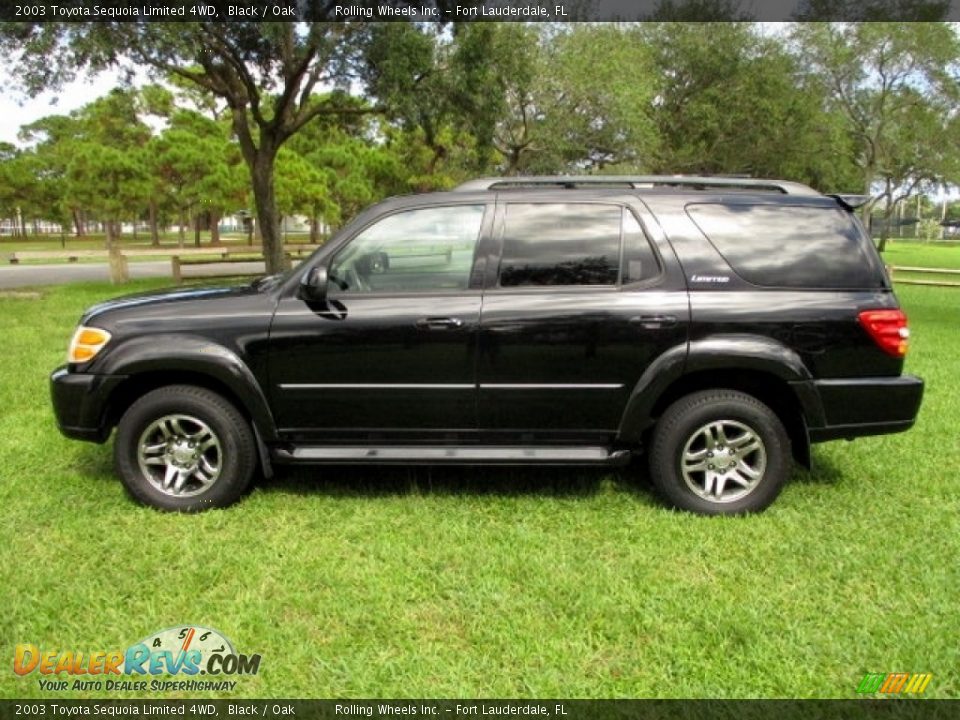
(894, 269)
(179, 257)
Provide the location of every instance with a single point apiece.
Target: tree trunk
(887, 217)
(154, 231)
(260, 158)
(214, 227)
(77, 223)
(268, 221)
(118, 263)
(314, 230)
(182, 234)
(196, 229)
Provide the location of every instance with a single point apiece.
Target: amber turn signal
(86, 343)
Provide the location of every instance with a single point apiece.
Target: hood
(174, 296)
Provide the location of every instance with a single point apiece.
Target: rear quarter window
(790, 245)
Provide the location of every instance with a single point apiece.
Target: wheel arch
(186, 360)
(760, 367)
(137, 385)
(769, 389)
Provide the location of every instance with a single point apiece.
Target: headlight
(86, 343)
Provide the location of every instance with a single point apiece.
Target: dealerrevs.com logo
(185, 652)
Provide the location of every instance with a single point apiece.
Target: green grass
(493, 583)
(920, 254)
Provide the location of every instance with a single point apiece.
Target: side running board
(452, 454)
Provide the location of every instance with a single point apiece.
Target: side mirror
(313, 284)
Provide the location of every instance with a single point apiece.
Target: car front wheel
(720, 452)
(184, 448)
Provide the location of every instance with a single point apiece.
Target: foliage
(895, 85)
(364, 110)
(929, 229)
(576, 99)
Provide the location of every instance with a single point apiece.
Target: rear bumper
(870, 406)
(79, 403)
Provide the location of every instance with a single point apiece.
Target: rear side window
(549, 244)
(561, 244)
(790, 245)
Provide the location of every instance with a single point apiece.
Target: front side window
(422, 250)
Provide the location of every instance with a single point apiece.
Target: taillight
(889, 330)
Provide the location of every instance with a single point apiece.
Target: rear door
(578, 303)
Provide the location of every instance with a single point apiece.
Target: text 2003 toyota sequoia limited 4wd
(719, 324)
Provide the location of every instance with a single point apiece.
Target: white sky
(17, 110)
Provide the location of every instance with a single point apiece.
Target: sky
(16, 109)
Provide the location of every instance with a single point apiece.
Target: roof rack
(692, 182)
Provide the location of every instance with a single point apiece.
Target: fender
(742, 352)
(174, 352)
(747, 352)
(761, 354)
(658, 376)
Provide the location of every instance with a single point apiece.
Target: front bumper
(80, 403)
(869, 406)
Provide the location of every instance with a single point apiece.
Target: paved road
(23, 275)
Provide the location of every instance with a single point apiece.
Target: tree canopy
(319, 119)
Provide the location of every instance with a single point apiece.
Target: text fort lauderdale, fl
(530, 11)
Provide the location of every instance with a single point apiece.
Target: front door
(391, 354)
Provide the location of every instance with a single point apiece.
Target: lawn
(911, 253)
(493, 583)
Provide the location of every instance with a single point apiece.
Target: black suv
(719, 324)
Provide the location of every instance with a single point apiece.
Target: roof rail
(692, 182)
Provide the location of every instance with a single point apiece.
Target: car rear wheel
(720, 452)
(184, 448)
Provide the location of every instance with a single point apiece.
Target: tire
(160, 467)
(719, 452)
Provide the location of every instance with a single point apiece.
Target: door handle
(438, 323)
(654, 322)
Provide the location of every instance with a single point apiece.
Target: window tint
(560, 244)
(639, 261)
(420, 250)
(790, 246)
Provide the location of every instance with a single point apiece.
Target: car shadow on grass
(94, 462)
(824, 471)
(385, 481)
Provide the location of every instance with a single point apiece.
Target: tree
(197, 167)
(51, 139)
(266, 73)
(592, 102)
(17, 184)
(730, 101)
(887, 80)
(442, 91)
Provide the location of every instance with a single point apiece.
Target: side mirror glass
(313, 284)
